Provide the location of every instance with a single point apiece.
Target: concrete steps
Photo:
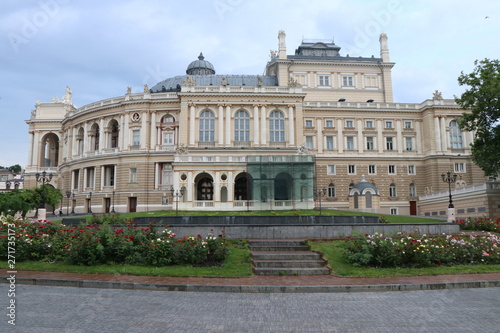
(285, 257)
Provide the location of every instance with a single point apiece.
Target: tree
(482, 100)
(16, 168)
(21, 201)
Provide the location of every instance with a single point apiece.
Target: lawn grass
(237, 264)
(332, 252)
(302, 212)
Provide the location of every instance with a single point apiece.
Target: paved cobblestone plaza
(43, 309)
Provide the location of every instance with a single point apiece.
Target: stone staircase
(285, 257)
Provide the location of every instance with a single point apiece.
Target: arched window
(331, 191)
(241, 126)
(94, 137)
(114, 134)
(392, 190)
(412, 190)
(80, 140)
(276, 126)
(168, 119)
(456, 140)
(207, 126)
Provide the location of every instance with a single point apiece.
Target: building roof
(364, 186)
(174, 83)
(200, 67)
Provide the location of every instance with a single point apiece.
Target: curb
(253, 288)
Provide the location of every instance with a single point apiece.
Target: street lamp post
(450, 178)
(68, 195)
(73, 205)
(320, 193)
(90, 203)
(113, 209)
(176, 194)
(44, 178)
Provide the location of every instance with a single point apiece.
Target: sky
(99, 48)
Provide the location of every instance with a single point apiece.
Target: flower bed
(482, 224)
(407, 250)
(100, 243)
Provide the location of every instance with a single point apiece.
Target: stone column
(399, 136)
(102, 135)
(192, 129)
(228, 125)
(263, 129)
(319, 137)
(443, 134)
(340, 135)
(380, 136)
(361, 143)
(291, 126)
(220, 125)
(256, 125)
(154, 131)
(437, 134)
(418, 136)
(30, 148)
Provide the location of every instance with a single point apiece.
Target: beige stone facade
(186, 143)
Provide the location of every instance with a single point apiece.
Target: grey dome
(200, 67)
(363, 186)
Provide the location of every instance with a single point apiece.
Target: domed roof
(364, 186)
(200, 67)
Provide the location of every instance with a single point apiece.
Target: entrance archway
(243, 187)
(204, 187)
(283, 184)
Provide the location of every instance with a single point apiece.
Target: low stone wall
(244, 220)
(310, 231)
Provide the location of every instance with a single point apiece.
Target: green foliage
(53, 196)
(15, 201)
(407, 250)
(16, 168)
(482, 98)
(480, 224)
(100, 243)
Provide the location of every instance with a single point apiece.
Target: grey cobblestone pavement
(44, 309)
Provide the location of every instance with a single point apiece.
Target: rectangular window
(392, 191)
(351, 169)
(350, 143)
(369, 124)
(309, 142)
(324, 80)
(394, 211)
(133, 175)
(372, 169)
(168, 138)
(90, 178)
(330, 169)
(347, 81)
(392, 169)
(76, 179)
(371, 81)
(136, 138)
(409, 143)
(329, 143)
(349, 123)
(459, 167)
(369, 143)
(109, 175)
(329, 123)
(309, 123)
(166, 175)
(388, 124)
(389, 141)
(408, 124)
(411, 169)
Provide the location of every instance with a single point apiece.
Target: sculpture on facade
(437, 95)
(181, 150)
(292, 82)
(146, 88)
(189, 81)
(129, 90)
(223, 82)
(302, 150)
